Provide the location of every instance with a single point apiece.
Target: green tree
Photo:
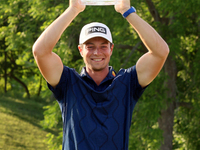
(166, 116)
(16, 37)
(161, 114)
(179, 89)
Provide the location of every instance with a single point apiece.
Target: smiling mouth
(99, 59)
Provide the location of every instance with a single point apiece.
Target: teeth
(97, 59)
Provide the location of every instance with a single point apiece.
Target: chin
(97, 69)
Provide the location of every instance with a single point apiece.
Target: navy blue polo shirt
(97, 117)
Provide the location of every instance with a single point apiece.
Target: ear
(111, 49)
(80, 48)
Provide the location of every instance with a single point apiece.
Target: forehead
(97, 40)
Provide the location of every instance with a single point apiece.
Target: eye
(90, 47)
(104, 47)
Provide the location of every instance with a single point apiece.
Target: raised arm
(150, 64)
(48, 62)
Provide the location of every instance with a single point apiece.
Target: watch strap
(128, 12)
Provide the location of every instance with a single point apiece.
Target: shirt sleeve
(60, 89)
(136, 87)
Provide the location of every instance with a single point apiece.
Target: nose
(96, 51)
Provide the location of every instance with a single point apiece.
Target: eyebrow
(89, 43)
(105, 42)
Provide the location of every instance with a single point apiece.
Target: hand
(77, 5)
(122, 6)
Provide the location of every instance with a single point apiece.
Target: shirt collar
(111, 73)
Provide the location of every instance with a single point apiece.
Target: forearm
(151, 39)
(48, 39)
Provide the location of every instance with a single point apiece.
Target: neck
(98, 76)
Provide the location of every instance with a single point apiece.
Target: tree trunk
(166, 123)
(22, 83)
(40, 87)
(166, 120)
(5, 72)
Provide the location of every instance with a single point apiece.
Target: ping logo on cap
(96, 29)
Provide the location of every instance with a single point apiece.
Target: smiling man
(96, 49)
(97, 104)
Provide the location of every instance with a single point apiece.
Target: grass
(20, 127)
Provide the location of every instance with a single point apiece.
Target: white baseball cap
(95, 29)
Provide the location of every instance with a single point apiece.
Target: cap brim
(93, 36)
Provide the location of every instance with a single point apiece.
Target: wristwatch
(128, 12)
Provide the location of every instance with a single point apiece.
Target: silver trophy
(99, 2)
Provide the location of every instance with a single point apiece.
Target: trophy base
(99, 2)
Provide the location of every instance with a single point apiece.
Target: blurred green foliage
(178, 22)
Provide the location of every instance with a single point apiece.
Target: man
(97, 105)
